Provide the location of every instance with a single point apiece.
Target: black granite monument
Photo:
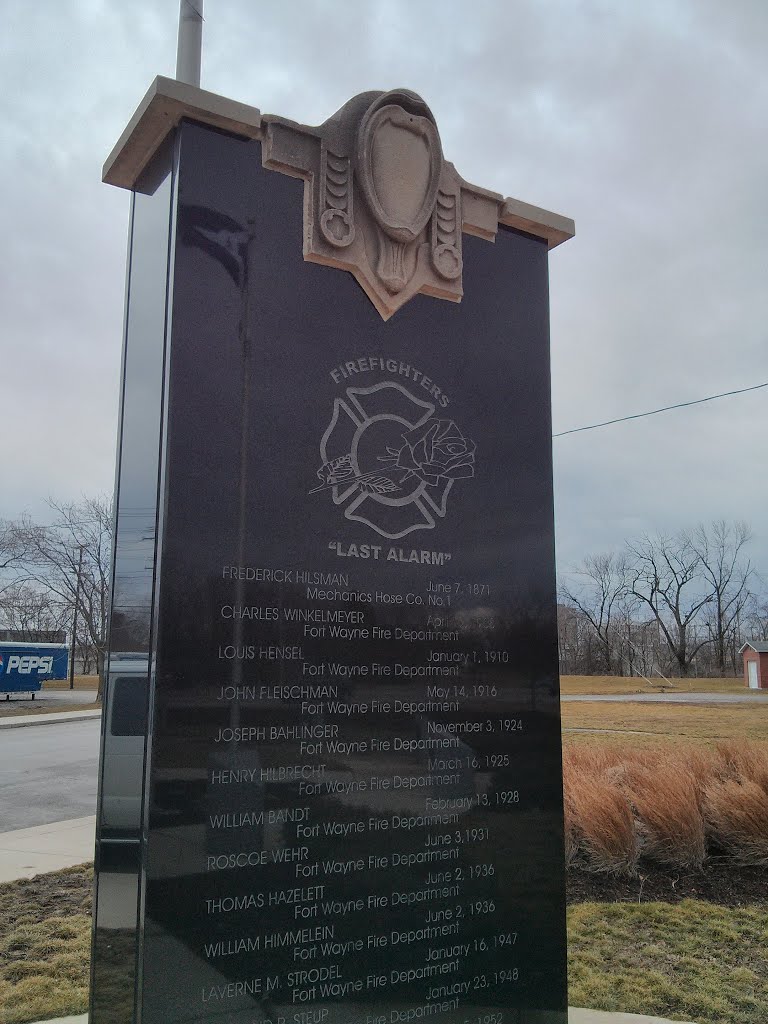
(331, 782)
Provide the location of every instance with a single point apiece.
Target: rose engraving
(435, 450)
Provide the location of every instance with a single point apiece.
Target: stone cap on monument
(380, 199)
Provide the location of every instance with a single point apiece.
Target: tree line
(665, 604)
(54, 577)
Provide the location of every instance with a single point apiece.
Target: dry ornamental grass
(674, 807)
(598, 823)
(736, 813)
(666, 805)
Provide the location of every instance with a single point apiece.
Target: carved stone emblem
(380, 200)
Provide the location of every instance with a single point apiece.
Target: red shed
(756, 664)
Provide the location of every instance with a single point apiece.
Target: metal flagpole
(190, 45)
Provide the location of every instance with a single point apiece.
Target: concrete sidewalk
(32, 851)
(48, 718)
(745, 696)
(575, 1016)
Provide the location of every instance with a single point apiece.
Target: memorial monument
(331, 780)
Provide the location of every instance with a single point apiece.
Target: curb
(82, 1019)
(55, 718)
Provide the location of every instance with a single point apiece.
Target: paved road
(677, 697)
(48, 773)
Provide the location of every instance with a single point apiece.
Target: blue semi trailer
(25, 667)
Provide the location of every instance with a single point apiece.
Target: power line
(666, 408)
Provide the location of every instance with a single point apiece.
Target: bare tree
(14, 547)
(755, 619)
(72, 558)
(598, 594)
(571, 626)
(30, 611)
(664, 573)
(703, 596)
(719, 548)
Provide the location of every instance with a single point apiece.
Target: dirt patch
(57, 894)
(719, 881)
(14, 709)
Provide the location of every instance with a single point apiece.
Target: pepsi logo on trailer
(24, 667)
(29, 663)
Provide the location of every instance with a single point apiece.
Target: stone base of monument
(576, 1015)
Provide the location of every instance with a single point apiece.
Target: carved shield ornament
(380, 199)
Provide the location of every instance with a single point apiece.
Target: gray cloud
(643, 122)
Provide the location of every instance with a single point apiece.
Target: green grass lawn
(81, 683)
(691, 961)
(45, 939)
(664, 722)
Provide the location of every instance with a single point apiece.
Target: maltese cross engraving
(390, 460)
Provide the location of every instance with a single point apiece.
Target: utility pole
(74, 622)
(190, 43)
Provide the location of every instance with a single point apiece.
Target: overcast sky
(645, 122)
